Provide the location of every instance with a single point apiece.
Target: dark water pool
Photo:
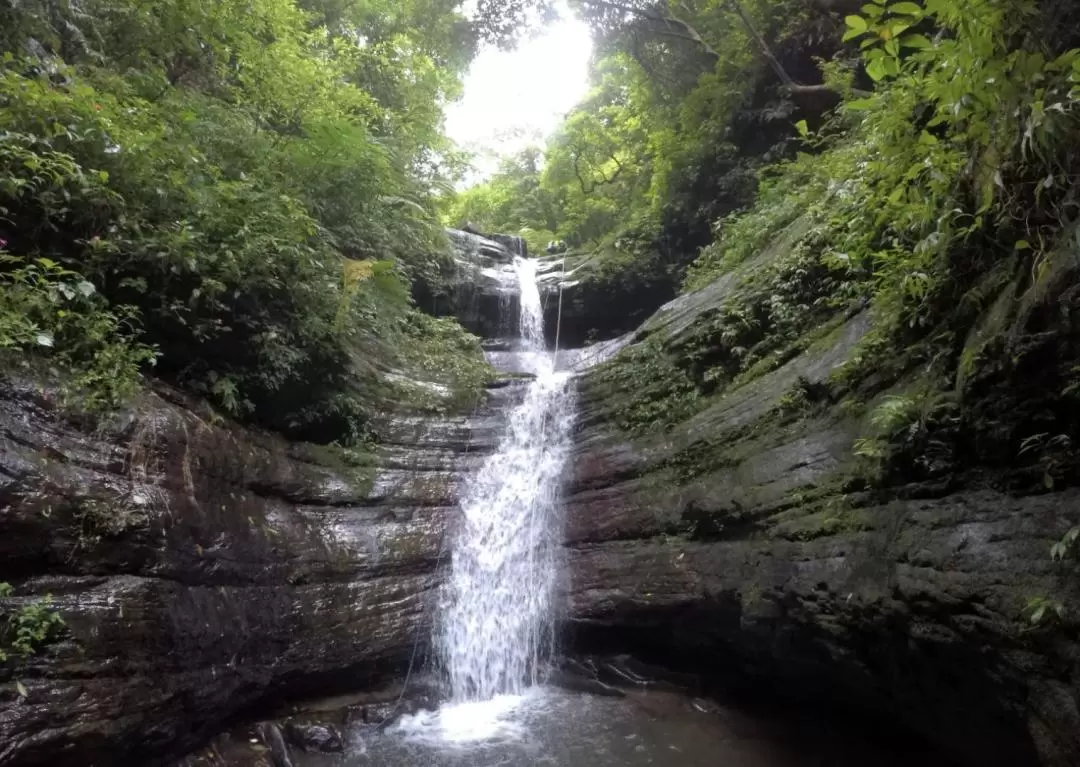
(566, 729)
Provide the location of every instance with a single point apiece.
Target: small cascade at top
(497, 621)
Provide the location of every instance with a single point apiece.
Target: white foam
(496, 719)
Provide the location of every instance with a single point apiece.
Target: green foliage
(1043, 610)
(27, 629)
(1066, 546)
(513, 201)
(1054, 455)
(905, 436)
(664, 143)
(444, 365)
(215, 171)
(887, 34)
(52, 311)
(947, 178)
(786, 192)
(773, 313)
(930, 180)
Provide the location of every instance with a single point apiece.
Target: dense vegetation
(241, 196)
(236, 193)
(925, 166)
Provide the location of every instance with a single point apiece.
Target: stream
(548, 726)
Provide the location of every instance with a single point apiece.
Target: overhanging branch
(673, 26)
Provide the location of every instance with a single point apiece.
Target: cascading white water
(496, 625)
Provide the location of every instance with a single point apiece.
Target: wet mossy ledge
(772, 486)
(200, 567)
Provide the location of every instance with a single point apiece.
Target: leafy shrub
(53, 311)
(27, 629)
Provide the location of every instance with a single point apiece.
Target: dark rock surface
(726, 545)
(201, 568)
(478, 286)
(315, 737)
(270, 733)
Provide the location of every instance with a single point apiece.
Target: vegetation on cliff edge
(240, 193)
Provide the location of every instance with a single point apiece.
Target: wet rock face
(480, 287)
(201, 568)
(754, 566)
(323, 738)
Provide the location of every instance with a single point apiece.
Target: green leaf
(927, 139)
(856, 24)
(897, 27)
(1037, 616)
(916, 41)
(86, 288)
(906, 9)
(876, 69)
(802, 128)
(860, 104)
(873, 10)
(1022, 245)
(21, 689)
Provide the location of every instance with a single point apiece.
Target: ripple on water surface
(562, 729)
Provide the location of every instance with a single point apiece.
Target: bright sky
(514, 99)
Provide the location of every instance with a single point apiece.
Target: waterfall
(497, 622)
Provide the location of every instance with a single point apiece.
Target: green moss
(443, 368)
(356, 465)
(820, 511)
(646, 389)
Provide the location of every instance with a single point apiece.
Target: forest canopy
(241, 195)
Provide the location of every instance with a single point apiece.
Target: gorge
(736, 422)
(261, 574)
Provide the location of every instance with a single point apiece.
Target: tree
(642, 20)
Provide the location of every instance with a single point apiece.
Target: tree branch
(673, 23)
(678, 28)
